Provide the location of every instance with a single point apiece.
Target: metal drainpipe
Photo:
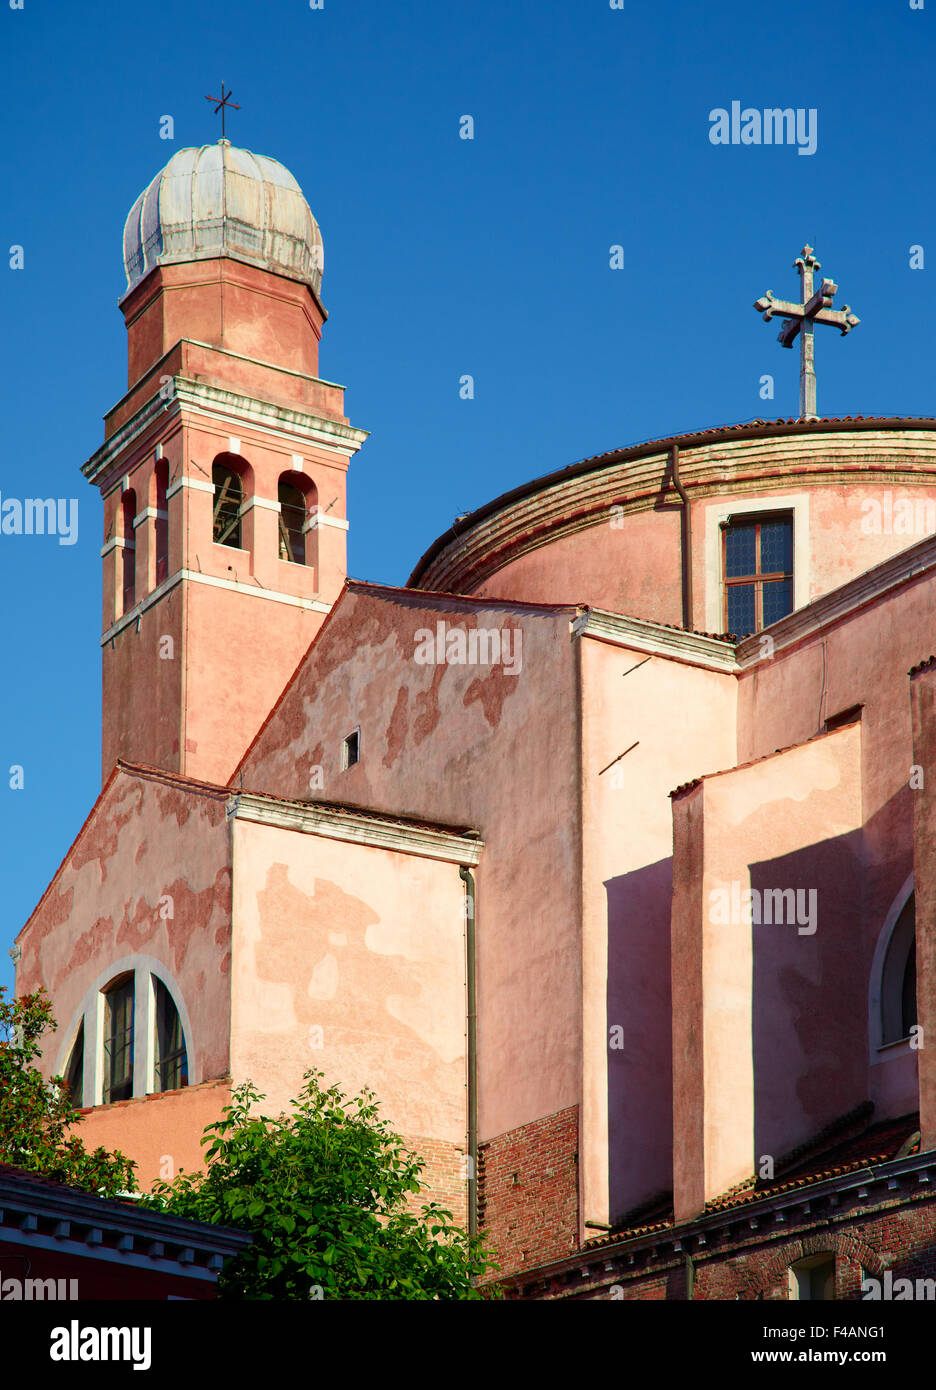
(685, 541)
(464, 874)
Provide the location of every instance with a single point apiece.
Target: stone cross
(815, 308)
(223, 103)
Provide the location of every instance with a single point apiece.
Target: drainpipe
(464, 874)
(685, 541)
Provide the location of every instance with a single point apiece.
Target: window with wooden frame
(757, 563)
(171, 1058)
(228, 497)
(118, 1040)
(292, 519)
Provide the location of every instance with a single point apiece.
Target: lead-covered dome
(222, 201)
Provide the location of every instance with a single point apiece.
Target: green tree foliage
(37, 1116)
(327, 1191)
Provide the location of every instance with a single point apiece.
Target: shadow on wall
(811, 952)
(640, 1040)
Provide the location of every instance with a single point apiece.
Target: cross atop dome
(814, 308)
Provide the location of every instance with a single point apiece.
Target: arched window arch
(898, 977)
(162, 520)
(128, 508)
(297, 496)
(227, 476)
(130, 1036)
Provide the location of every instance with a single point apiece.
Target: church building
(604, 851)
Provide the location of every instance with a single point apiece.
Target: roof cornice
(377, 832)
(761, 455)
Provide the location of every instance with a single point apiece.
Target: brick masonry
(528, 1196)
(749, 1256)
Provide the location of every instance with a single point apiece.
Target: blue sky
(444, 257)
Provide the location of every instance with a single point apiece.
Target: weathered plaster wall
(471, 746)
(351, 960)
(147, 839)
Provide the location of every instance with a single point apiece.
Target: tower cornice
(228, 408)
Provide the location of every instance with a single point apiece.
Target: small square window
(351, 750)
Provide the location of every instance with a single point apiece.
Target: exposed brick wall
(738, 1263)
(446, 1176)
(529, 1191)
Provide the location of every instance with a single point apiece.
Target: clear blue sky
(443, 257)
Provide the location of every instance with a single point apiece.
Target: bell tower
(223, 468)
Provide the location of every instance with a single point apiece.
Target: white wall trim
(266, 502)
(318, 519)
(195, 484)
(116, 543)
(314, 605)
(719, 512)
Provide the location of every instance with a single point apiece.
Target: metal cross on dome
(223, 102)
(815, 308)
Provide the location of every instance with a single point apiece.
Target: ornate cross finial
(815, 308)
(223, 102)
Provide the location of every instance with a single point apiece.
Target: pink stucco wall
(472, 746)
(351, 959)
(148, 838)
(779, 1011)
(627, 1131)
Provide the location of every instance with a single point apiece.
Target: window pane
(778, 600)
(776, 547)
(740, 551)
(741, 609)
(171, 1056)
(118, 1041)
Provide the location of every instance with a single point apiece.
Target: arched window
(898, 984)
(296, 496)
(74, 1073)
(170, 1071)
(228, 496)
(162, 521)
(118, 1039)
(128, 535)
(813, 1279)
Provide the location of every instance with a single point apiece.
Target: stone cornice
(378, 832)
(718, 462)
(656, 639)
(227, 407)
